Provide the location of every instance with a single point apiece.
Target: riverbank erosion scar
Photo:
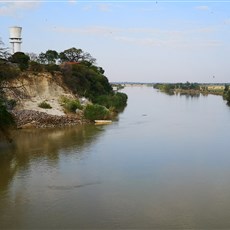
(36, 119)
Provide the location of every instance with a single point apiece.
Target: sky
(133, 41)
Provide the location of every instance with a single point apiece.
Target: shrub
(71, 105)
(52, 68)
(6, 122)
(8, 71)
(35, 66)
(45, 105)
(21, 59)
(7, 119)
(96, 112)
(117, 101)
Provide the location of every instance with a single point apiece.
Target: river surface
(164, 164)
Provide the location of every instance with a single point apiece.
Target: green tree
(227, 96)
(226, 88)
(21, 59)
(51, 56)
(42, 58)
(35, 66)
(96, 112)
(75, 55)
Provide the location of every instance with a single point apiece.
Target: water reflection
(197, 95)
(42, 144)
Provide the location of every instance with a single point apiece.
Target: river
(164, 164)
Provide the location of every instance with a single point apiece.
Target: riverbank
(36, 119)
(192, 89)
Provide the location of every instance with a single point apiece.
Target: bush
(118, 101)
(8, 71)
(85, 81)
(35, 66)
(226, 96)
(7, 119)
(45, 105)
(51, 68)
(21, 59)
(71, 105)
(6, 122)
(96, 112)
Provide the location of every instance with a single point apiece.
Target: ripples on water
(163, 165)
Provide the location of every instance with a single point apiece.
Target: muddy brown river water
(164, 164)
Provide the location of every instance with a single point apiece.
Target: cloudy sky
(140, 41)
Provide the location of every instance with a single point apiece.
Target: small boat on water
(100, 122)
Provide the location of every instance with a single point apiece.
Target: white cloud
(13, 8)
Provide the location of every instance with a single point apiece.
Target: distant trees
(188, 86)
(226, 94)
(167, 88)
(171, 87)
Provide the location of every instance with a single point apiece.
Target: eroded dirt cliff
(29, 90)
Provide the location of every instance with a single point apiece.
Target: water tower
(15, 38)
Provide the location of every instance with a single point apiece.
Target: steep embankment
(29, 90)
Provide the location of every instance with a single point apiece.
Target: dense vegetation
(71, 105)
(80, 74)
(94, 112)
(226, 94)
(193, 89)
(7, 71)
(171, 87)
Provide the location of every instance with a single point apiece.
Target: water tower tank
(15, 38)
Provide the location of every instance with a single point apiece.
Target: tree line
(69, 55)
(170, 87)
